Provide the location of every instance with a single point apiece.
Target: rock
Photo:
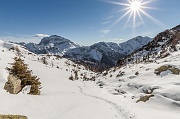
(132, 77)
(13, 85)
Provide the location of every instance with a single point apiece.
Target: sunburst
(135, 9)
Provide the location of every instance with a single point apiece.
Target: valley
(129, 91)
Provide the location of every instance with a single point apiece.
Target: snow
(133, 44)
(96, 54)
(166, 101)
(60, 98)
(164, 73)
(64, 99)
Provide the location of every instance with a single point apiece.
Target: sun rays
(135, 10)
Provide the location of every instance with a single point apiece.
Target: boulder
(13, 85)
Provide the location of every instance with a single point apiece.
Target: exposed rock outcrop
(13, 85)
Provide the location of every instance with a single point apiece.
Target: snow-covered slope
(60, 98)
(133, 81)
(51, 45)
(111, 96)
(107, 53)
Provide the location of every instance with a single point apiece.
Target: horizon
(89, 44)
(83, 22)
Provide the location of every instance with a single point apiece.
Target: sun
(135, 6)
(135, 9)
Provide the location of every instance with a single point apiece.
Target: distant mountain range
(161, 46)
(107, 53)
(102, 53)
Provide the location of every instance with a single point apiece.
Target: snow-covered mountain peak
(133, 44)
(108, 46)
(140, 39)
(52, 45)
(53, 39)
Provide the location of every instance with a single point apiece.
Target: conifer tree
(21, 71)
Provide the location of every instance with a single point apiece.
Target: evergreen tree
(21, 71)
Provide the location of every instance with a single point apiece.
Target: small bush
(34, 90)
(120, 74)
(150, 90)
(175, 70)
(163, 68)
(137, 73)
(144, 98)
(12, 117)
(44, 61)
(18, 51)
(93, 78)
(105, 73)
(71, 78)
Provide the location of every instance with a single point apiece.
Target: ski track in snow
(121, 111)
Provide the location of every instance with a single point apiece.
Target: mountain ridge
(102, 53)
(161, 46)
(51, 45)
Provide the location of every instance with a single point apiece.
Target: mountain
(51, 45)
(107, 53)
(99, 55)
(161, 46)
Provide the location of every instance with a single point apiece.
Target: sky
(82, 21)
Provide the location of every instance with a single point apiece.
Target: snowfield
(109, 97)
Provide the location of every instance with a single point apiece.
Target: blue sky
(82, 21)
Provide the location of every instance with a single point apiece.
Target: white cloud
(16, 35)
(41, 35)
(20, 39)
(105, 31)
(23, 38)
(117, 39)
(132, 25)
(106, 22)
